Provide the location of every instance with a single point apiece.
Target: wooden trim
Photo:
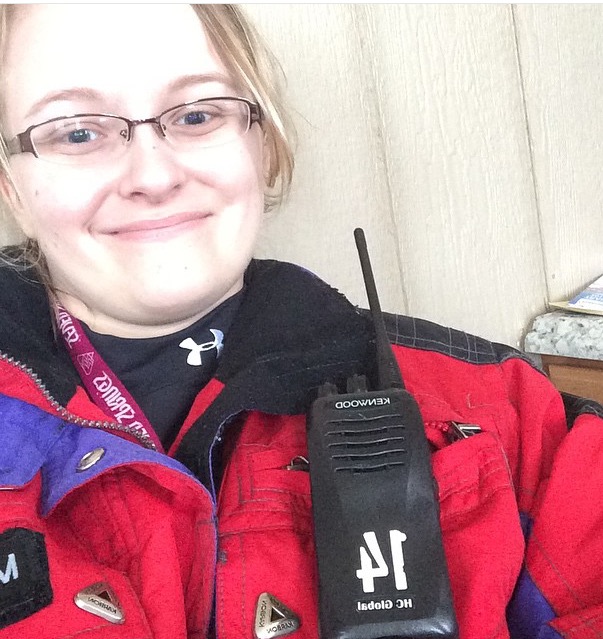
(583, 377)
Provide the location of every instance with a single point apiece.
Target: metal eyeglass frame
(22, 143)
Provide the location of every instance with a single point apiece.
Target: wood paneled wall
(466, 139)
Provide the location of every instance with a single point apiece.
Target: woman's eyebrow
(75, 93)
(86, 93)
(202, 78)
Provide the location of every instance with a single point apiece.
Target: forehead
(130, 53)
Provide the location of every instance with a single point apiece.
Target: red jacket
(94, 517)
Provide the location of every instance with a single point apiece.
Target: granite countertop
(566, 334)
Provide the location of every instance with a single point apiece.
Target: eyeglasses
(92, 138)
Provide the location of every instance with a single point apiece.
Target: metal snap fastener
(91, 458)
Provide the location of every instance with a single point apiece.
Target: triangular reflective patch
(273, 618)
(100, 600)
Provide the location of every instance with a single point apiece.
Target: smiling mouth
(162, 226)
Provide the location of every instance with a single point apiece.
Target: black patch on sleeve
(24, 576)
(576, 406)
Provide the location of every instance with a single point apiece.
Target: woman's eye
(72, 138)
(81, 135)
(193, 121)
(195, 117)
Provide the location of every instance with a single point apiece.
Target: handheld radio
(382, 570)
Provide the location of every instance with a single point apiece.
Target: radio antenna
(388, 373)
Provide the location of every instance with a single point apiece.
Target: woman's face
(148, 243)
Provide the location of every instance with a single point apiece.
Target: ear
(15, 206)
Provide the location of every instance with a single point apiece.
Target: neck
(107, 324)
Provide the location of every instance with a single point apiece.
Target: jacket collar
(292, 333)
(27, 334)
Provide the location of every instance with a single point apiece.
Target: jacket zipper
(70, 417)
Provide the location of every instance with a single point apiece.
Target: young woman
(155, 379)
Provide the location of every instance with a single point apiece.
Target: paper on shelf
(590, 300)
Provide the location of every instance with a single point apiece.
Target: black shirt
(165, 374)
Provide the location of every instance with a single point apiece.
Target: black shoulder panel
(576, 406)
(425, 335)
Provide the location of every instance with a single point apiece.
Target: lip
(159, 228)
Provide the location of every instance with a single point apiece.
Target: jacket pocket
(481, 531)
(266, 483)
(274, 472)
(266, 542)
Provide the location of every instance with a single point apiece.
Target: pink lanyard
(100, 381)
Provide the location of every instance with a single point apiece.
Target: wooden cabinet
(583, 377)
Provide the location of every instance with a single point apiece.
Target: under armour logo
(194, 357)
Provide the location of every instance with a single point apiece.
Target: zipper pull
(298, 463)
(462, 431)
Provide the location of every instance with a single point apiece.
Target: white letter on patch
(12, 571)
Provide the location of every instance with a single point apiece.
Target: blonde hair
(253, 66)
(254, 69)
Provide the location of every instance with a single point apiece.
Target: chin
(174, 304)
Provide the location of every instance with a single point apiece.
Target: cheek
(238, 174)
(52, 206)
(34, 208)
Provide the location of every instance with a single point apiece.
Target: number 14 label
(373, 564)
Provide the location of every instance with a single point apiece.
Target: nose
(151, 168)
